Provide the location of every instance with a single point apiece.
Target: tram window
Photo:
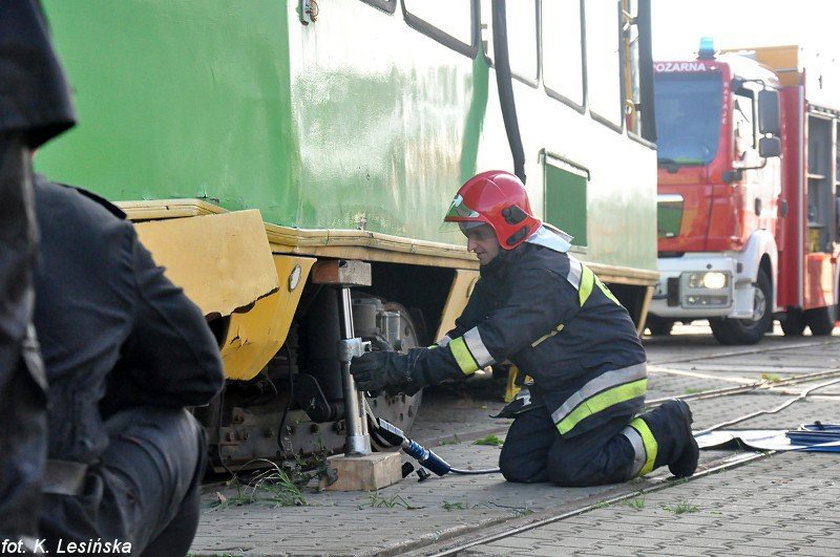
(522, 39)
(603, 67)
(521, 19)
(563, 49)
(447, 21)
(387, 6)
(565, 197)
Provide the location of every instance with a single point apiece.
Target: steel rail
(801, 396)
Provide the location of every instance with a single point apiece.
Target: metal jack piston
(358, 439)
(346, 274)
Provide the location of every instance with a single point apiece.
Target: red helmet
(499, 199)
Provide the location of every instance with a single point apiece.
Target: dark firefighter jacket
(547, 313)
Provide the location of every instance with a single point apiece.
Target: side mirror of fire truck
(769, 118)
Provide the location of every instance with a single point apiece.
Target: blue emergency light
(707, 49)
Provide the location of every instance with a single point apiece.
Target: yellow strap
(512, 388)
(463, 356)
(602, 400)
(650, 443)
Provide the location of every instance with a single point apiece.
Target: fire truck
(748, 192)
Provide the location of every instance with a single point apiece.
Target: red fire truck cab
(749, 194)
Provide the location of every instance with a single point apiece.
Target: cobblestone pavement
(786, 504)
(780, 504)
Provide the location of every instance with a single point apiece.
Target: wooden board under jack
(364, 473)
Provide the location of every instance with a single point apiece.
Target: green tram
(267, 148)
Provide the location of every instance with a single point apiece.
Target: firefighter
(125, 352)
(34, 107)
(578, 422)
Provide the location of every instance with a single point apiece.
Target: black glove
(376, 370)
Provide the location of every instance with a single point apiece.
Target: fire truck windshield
(688, 115)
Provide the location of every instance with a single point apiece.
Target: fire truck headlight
(713, 280)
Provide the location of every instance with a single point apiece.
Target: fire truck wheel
(821, 320)
(659, 326)
(793, 323)
(748, 331)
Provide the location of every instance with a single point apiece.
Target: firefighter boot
(670, 425)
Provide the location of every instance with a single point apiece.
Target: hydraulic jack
(359, 468)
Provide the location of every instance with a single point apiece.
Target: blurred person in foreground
(125, 351)
(34, 107)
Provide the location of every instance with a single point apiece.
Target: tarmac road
(755, 504)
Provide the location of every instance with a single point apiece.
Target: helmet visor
(458, 210)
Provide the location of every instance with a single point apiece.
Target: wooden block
(365, 473)
(342, 272)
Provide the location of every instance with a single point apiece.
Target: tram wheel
(400, 409)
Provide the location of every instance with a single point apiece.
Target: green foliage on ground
(682, 507)
(491, 440)
(274, 485)
(376, 501)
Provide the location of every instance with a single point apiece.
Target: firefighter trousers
(534, 451)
